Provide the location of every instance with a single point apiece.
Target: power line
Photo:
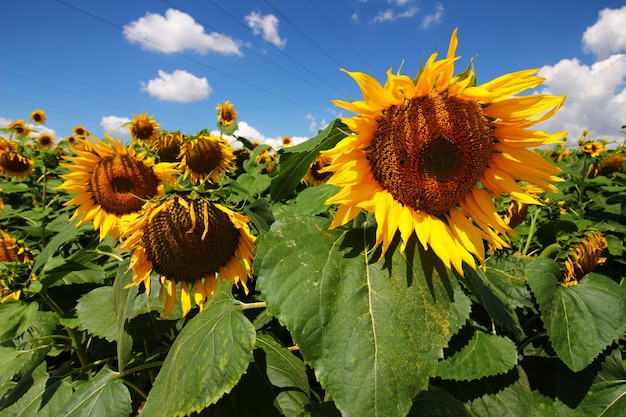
(225, 74)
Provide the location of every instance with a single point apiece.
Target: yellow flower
(584, 257)
(38, 116)
(10, 251)
(143, 128)
(168, 147)
(45, 140)
(80, 131)
(286, 141)
(111, 182)
(191, 242)
(206, 157)
(593, 148)
(20, 128)
(430, 154)
(314, 175)
(15, 165)
(226, 113)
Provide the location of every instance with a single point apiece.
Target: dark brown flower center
(14, 163)
(179, 251)
(119, 183)
(204, 156)
(316, 174)
(169, 148)
(431, 151)
(143, 129)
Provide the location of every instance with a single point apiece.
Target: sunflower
(226, 113)
(71, 139)
(17, 255)
(594, 148)
(191, 242)
(168, 147)
(15, 165)
(430, 154)
(206, 157)
(45, 140)
(20, 128)
(111, 182)
(143, 128)
(80, 131)
(584, 257)
(286, 141)
(38, 116)
(314, 175)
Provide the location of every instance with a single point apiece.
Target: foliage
(329, 327)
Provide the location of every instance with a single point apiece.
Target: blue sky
(97, 63)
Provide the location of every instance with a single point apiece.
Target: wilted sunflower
(584, 256)
(38, 116)
(45, 140)
(192, 242)
(15, 165)
(226, 113)
(20, 128)
(206, 157)
(168, 147)
(111, 182)
(314, 176)
(143, 128)
(430, 154)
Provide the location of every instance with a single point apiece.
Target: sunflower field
(432, 255)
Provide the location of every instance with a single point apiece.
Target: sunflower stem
(531, 230)
(43, 205)
(249, 306)
(140, 368)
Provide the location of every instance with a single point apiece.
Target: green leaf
(607, 395)
(96, 314)
(11, 361)
(296, 160)
(254, 184)
(60, 271)
(260, 213)
(484, 355)
(122, 300)
(104, 395)
(516, 400)
(68, 233)
(285, 370)
(437, 403)
(581, 320)
(206, 360)
(372, 331)
(16, 317)
(311, 200)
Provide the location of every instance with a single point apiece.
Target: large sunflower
(206, 157)
(192, 242)
(429, 155)
(111, 182)
(15, 165)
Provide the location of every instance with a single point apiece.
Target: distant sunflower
(15, 165)
(80, 131)
(111, 182)
(286, 141)
(11, 252)
(20, 128)
(430, 154)
(45, 140)
(226, 113)
(143, 128)
(594, 148)
(191, 242)
(314, 175)
(38, 116)
(71, 139)
(206, 158)
(168, 147)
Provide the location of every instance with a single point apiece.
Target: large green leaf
(372, 331)
(67, 234)
(484, 355)
(581, 320)
(286, 371)
(296, 160)
(104, 395)
(11, 361)
(96, 314)
(16, 317)
(516, 400)
(607, 395)
(206, 360)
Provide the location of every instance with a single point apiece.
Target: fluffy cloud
(390, 15)
(246, 131)
(607, 35)
(267, 27)
(596, 94)
(177, 32)
(433, 19)
(179, 86)
(114, 126)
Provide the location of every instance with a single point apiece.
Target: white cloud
(608, 34)
(267, 27)
(179, 86)
(390, 15)
(433, 19)
(596, 97)
(177, 32)
(246, 131)
(114, 126)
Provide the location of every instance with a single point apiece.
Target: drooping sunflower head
(315, 175)
(45, 140)
(584, 256)
(191, 242)
(226, 113)
(143, 128)
(168, 147)
(429, 154)
(13, 164)
(20, 128)
(38, 116)
(111, 182)
(206, 158)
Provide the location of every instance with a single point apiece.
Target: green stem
(140, 368)
(78, 347)
(136, 388)
(249, 306)
(531, 231)
(43, 205)
(531, 339)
